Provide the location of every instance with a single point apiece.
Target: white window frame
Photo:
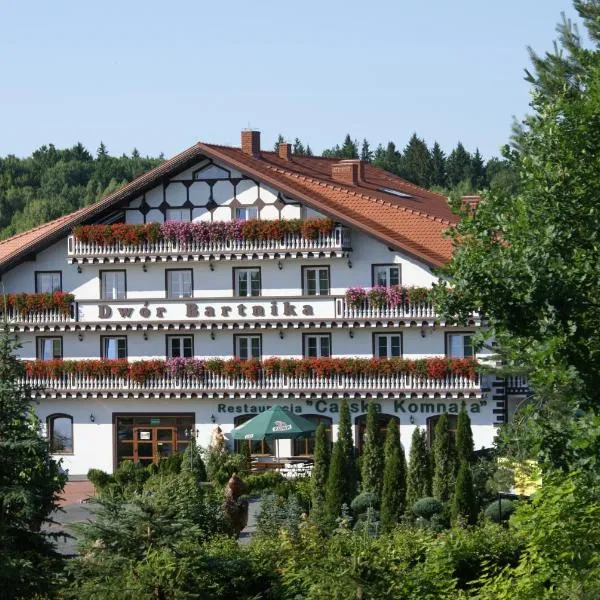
(318, 289)
(242, 213)
(54, 279)
(105, 346)
(386, 271)
(181, 342)
(456, 351)
(245, 346)
(389, 345)
(180, 288)
(178, 213)
(249, 287)
(111, 290)
(321, 343)
(52, 346)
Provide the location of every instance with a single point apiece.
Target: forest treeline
(53, 182)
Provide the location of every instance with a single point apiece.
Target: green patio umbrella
(275, 423)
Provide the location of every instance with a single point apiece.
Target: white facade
(285, 314)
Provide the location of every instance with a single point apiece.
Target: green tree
(464, 438)
(464, 505)
(459, 166)
(30, 483)
(444, 461)
(372, 455)
(192, 461)
(438, 166)
(418, 484)
(393, 497)
(280, 140)
(346, 437)
(366, 154)
(416, 162)
(319, 474)
(478, 179)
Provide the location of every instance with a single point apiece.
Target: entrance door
(151, 444)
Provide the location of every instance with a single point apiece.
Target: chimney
(251, 142)
(350, 172)
(285, 151)
(471, 202)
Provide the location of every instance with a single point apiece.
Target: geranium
(437, 368)
(378, 296)
(26, 304)
(394, 296)
(355, 296)
(232, 368)
(417, 295)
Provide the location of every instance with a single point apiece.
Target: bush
(99, 478)
(427, 508)
(498, 512)
(260, 482)
(364, 501)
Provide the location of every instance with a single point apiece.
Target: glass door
(151, 444)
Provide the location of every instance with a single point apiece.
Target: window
(459, 345)
(315, 281)
(247, 346)
(387, 345)
(246, 282)
(60, 434)
(180, 346)
(317, 346)
(305, 446)
(177, 214)
(432, 422)
(256, 446)
(49, 348)
(245, 213)
(113, 285)
(382, 423)
(113, 347)
(180, 283)
(386, 275)
(47, 282)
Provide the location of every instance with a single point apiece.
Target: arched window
(305, 445)
(432, 422)
(257, 447)
(60, 433)
(382, 422)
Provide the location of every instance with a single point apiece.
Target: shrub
(427, 508)
(260, 482)
(100, 479)
(500, 511)
(363, 501)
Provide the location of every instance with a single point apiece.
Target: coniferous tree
(350, 148)
(366, 153)
(464, 438)
(444, 458)
(192, 461)
(418, 484)
(347, 439)
(319, 474)
(309, 151)
(416, 162)
(298, 148)
(280, 140)
(438, 166)
(393, 496)
(463, 503)
(477, 171)
(336, 488)
(372, 457)
(30, 481)
(458, 166)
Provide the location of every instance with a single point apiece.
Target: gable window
(387, 345)
(245, 213)
(386, 275)
(317, 346)
(315, 281)
(180, 346)
(459, 345)
(180, 283)
(246, 282)
(48, 282)
(247, 346)
(113, 347)
(113, 285)
(177, 214)
(49, 348)
(60, 433)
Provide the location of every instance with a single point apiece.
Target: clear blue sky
(161, 75)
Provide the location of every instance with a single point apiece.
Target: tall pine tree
(464, 438)
(438, 166)
(458, 166)
(366, 154)
(464, 505)
(418, 483)
(372, 456)
(319, 475)
(393, 496)
(444, 459)
(416, 162)
(347, 439)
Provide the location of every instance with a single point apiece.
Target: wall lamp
(423, 332)
(351, 333)
(92, 418)
(79, 268)
(145, 268)
(145, 336)
(412, 420)
(80, 336)
(349, 264)
(211, 265)
(281, 334)
(212, 335)
(279, 265)
(213, 419)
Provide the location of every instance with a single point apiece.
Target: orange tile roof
(414, 224)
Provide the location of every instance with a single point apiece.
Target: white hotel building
(238, 298)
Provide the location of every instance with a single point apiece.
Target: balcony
(417, 310)
(53, 316)
(73, 384)
(325, 245)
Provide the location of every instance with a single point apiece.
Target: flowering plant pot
(26, 304)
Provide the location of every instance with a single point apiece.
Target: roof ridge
(360, 195)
